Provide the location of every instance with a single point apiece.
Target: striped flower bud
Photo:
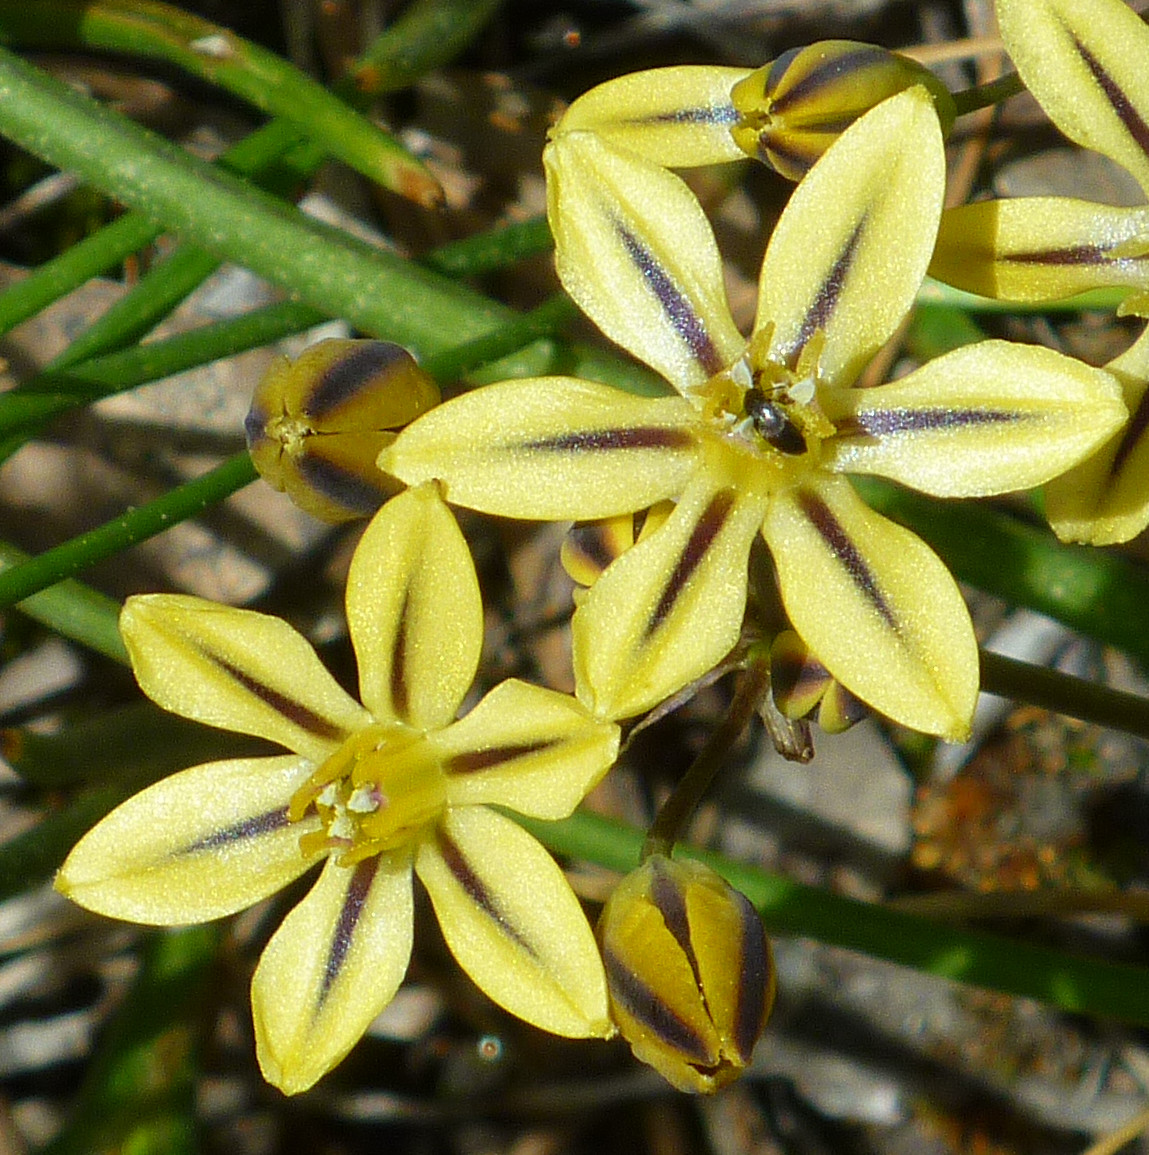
(317, 424)
(792, 110)
(689, 972)
(800, 685)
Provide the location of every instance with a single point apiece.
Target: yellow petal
(851, 248)
(537, 751)
(876, 605)
(414, 610)
(333, 965)
(201, 844)
(238, 670)
(1105, 499)
(635, 250)
(670, 608)
(1084, 60)
(513, 922)
(984, 419)
(675, 117)
(1041, 248)
(551, 448)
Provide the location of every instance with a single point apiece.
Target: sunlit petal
(333, 965)
(671, 607)
(414, 611)
(1105, 499)
(551, 448)
(635, 250)
(876, 605)
(513, 922)
(984, 419)
(849, 252)
(534, 750)
(1041, 248)
(238, 670)
(201, 844)
(1084, 60)
(671, 116)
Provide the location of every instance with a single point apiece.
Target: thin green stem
(984, 95)
(1064, 694)
(676, 812)
(72, 610)
(214, 54)
(129, 529)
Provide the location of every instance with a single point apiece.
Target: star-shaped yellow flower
(1084, 60)
(373, 791)
(761, 433)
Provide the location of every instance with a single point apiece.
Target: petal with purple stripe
(333, 965)
(239, 670)
(635, 250)
(532, 749)
(1084, 60)
(513, 922)
(670, 608)
(850, 250)
(195, 846)
(551, 448)
(414, 611)
(876, 605)
(987, 418)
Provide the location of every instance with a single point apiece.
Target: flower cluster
(754, 440)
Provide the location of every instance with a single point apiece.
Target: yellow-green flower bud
(317, 424)
(794, 108)
(800, 685)
(689, 972)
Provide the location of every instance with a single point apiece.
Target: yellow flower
(374, 791)
(1084, 60)
(761, 433)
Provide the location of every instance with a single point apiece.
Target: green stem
(676, 812)
(212, 53)
(984, 95)
(1071, 982)
(72, 610)
(135, 526)
(1064, 694)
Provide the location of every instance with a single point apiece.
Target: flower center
(375, 793)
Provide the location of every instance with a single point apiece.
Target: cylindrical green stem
(990, 93)
(669, 824)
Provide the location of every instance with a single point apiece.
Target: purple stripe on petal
(825, 75)
(1122, 106)
(476, 889)
(295, 712)
(1070, 255)
(254, 827)
(472, 761)
(349, 375)
(887, 422)
(645, 1006)
(669, 901)
(1131, 435)
(686, 322)
(344, 934)
(346, 489)
(826, 299)
(711, 114)
(653, 437)
(705, 532)
(754, 985)
(400, 693)
(840, 544)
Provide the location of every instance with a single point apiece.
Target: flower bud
(793, 109)
(590, 546)
(689, 972)
(800, 685)
(317, 424)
